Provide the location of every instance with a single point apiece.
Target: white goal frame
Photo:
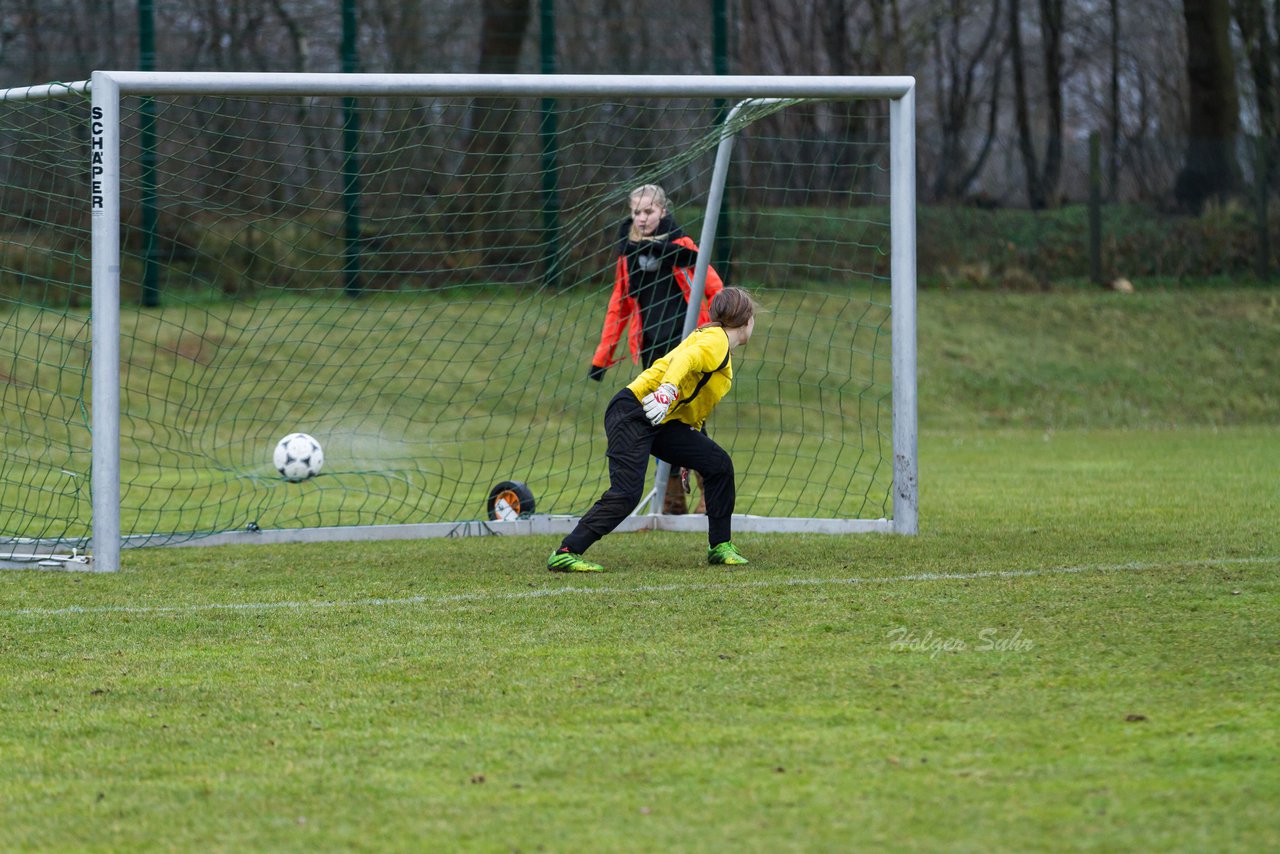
(106, 89)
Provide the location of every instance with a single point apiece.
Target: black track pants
(631, 441)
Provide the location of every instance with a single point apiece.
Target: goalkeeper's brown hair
(732, 308)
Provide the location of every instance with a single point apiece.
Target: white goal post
(107, 88)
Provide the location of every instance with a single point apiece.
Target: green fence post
(1263, 183)
(350, 156)
(548, 130)
(149, 203)
(1095, 207)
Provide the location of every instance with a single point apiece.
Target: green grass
(1159, 358)
(1078, 651)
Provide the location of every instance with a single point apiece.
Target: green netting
(428, 309)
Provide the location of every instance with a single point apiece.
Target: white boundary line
(548, 592)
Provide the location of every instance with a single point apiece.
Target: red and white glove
(659, 402)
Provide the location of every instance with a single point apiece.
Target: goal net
(415, 271)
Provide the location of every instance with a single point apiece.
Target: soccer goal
(414, 270)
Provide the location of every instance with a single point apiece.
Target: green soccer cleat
(570, 562)
(725, 554)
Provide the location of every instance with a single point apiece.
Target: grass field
(1078, 652)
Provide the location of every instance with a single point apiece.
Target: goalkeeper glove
(659, 402)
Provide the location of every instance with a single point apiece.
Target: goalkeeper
(652, 279)
(661, 413)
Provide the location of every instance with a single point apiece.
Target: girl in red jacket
(653, 276)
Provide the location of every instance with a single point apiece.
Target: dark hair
(732, 308)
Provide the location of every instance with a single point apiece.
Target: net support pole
(710, 217)
(149, 204)
(902, 262)
(104, 206)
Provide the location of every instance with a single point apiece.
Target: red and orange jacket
(624, 310)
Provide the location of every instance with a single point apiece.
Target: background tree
(1259, 24)
(1113, 100)
(494, 122)
(1210, 169)
(1041, 177)
(968, 67)
(990, 94)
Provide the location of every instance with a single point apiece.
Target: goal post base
(48, 560)
(531, 526)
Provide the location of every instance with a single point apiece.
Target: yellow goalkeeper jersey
(699, 367)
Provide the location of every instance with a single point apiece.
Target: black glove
(596, 373)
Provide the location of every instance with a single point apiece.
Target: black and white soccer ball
(298, 457)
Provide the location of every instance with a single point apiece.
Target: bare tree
(994, 75)
(31, 23)
(1210, 169)
(1259, 24)
(887, 31)
(1113, 101)
(967, 82)
(299, 47)
(494, 123)
(1041, 177)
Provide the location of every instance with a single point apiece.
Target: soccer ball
(298, 457)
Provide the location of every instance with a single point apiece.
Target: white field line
(549, 592)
